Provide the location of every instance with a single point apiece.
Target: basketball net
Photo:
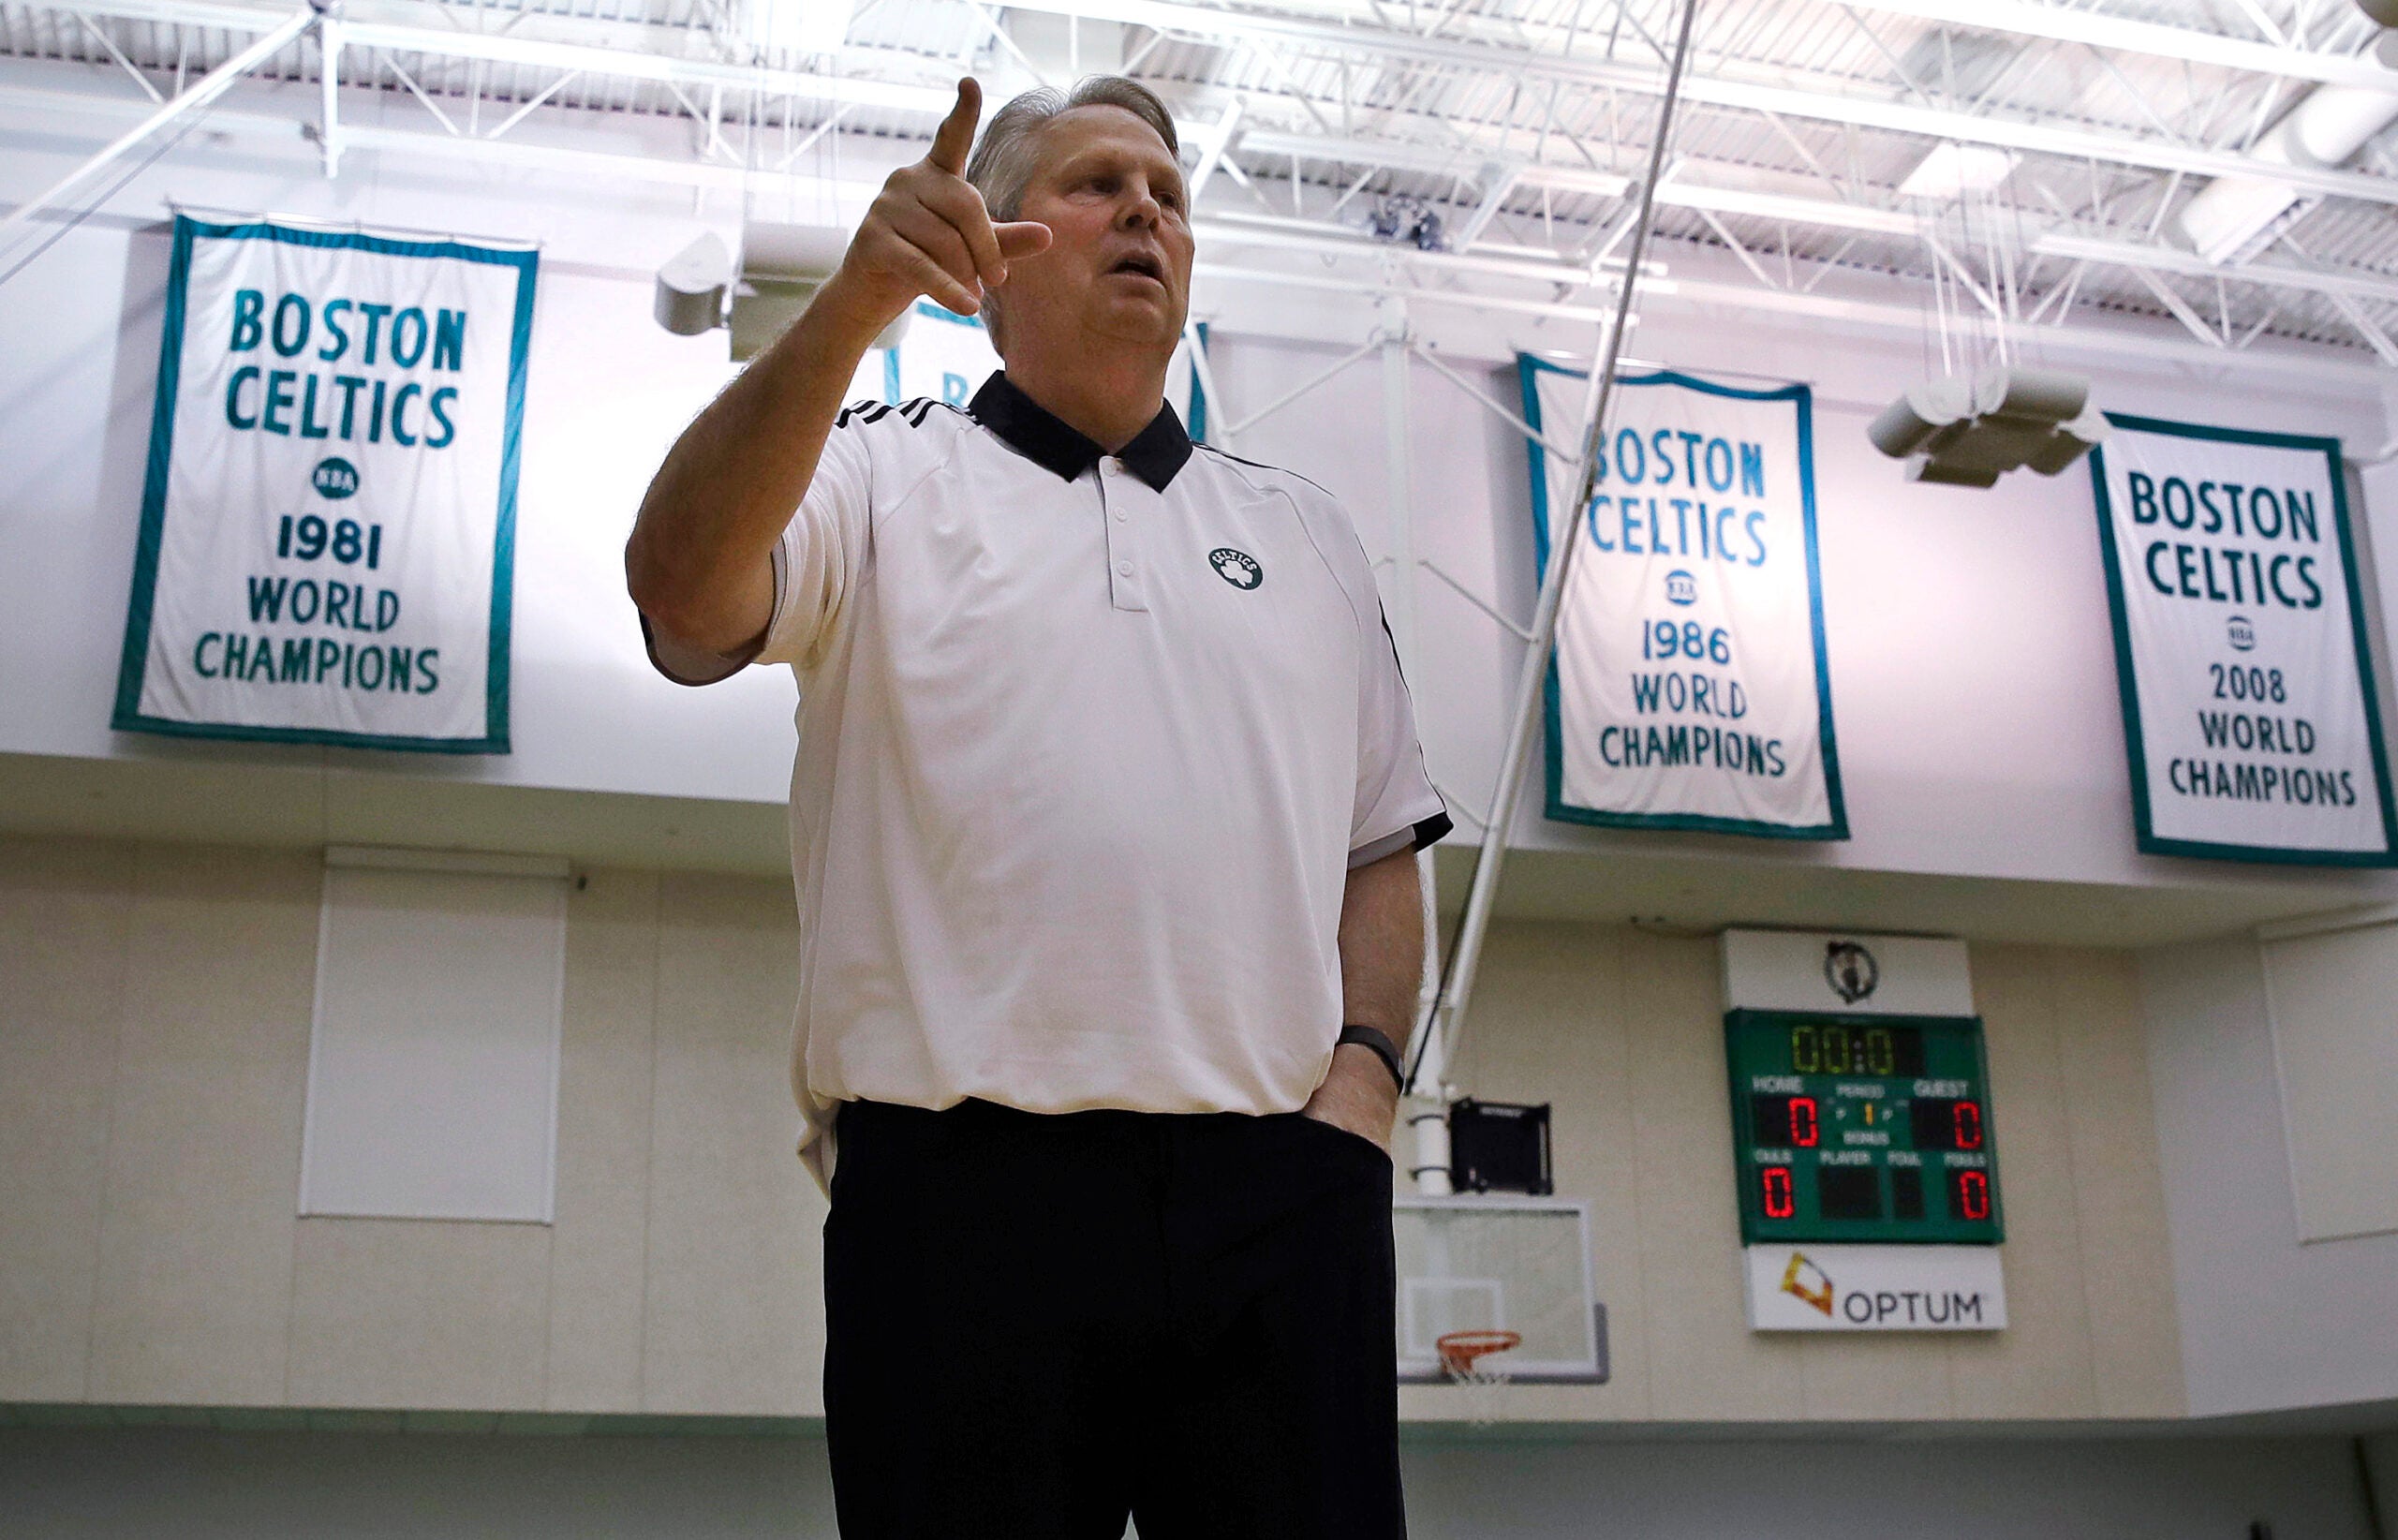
(1466, 1358)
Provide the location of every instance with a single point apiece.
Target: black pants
(1038, 1325)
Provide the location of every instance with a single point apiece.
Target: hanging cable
(28, 253)
(1447, 1013)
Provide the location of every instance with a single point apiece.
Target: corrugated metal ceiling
(1456, 87)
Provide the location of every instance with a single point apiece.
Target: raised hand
(928, 233)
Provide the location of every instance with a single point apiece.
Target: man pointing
(1102, 828)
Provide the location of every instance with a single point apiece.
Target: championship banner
(943, 355)
(2239, 647)
(1690, 689)
(946, 357)
(328, 529)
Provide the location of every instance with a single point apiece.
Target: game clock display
(1870, 1129)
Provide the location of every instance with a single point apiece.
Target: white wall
(608, 390)
(1971, 663)
(2266, 1320)
(155, 1049)
(1972, 672)
(79, 1484)
(1798, 1489)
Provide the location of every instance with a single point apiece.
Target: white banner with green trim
(2249, 711)
(1690, 690)
(946, 357)
(329, 523)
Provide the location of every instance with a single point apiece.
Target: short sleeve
(1397, 807)
(813, 562)
(818, 556)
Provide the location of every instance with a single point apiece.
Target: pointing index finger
(955, 135)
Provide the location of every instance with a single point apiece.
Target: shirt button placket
(1116, 491)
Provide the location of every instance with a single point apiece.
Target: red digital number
(1779, 1201)
(1805, 1131)
(1967, 1117)
(1972, 1195)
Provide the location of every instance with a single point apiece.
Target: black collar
(1033, 430)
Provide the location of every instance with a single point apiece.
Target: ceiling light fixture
(1969, 432)
(1952, 170)
(780, 269)
(798, 26)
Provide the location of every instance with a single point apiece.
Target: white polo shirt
(1087, 745)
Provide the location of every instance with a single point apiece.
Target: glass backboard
(1499, 1263)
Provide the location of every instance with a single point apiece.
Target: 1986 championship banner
(2239, 645)
(327, 528)
(1690, 689)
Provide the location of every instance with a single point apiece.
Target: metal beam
(1432, 160)
(1498, 175)
(1315, 236)
(1831, 214)
(1499, 188)
(206, 89)
(1824, 102)
(2366, 326)
(329, 91)
(2028, 19)
(2189, 264)
(1680, 193)
(2310, 364)
(501, 49)
(361, 30)
(2024, 19)
(1448, 298)
(2196, 324)
(1212, 149)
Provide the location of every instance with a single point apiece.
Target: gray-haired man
(1104, 819)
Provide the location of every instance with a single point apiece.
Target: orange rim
(1461, 1348)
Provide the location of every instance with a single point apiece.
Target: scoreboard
(1865, 1128)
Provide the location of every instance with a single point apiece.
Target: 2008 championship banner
(329, 523)
(1690, 689)
(2249, 710)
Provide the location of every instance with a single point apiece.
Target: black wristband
(1384, 1050)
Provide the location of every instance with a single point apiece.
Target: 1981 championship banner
(2239, 645)
(327, 528)
(1690, 689)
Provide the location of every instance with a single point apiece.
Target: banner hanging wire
(1447, 1013)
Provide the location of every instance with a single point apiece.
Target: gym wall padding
(154, 1051)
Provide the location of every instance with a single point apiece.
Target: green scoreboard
(1871, 1129)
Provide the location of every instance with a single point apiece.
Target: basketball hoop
(1465, 1359)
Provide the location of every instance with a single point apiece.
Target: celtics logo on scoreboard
(1851, 971)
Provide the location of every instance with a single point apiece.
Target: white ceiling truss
(1523, 124)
